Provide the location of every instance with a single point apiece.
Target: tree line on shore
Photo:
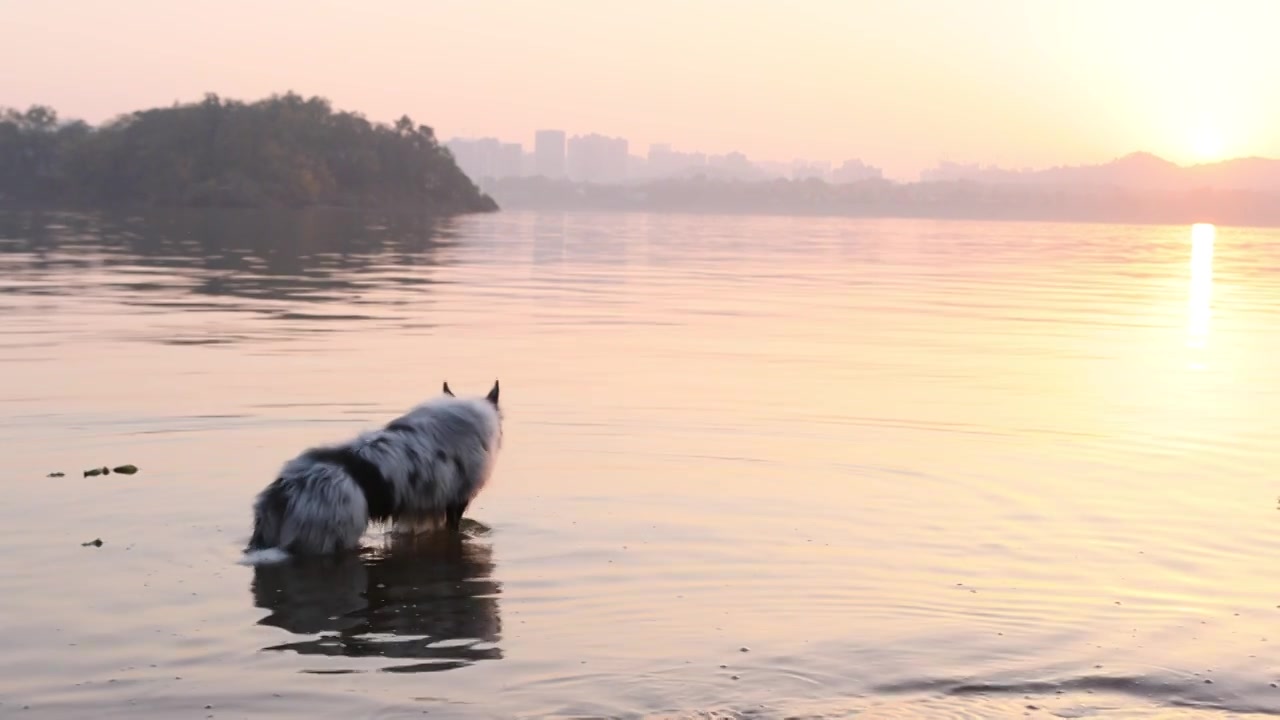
(282, 151)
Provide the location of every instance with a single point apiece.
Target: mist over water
(753, 466)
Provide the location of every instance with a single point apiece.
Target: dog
(424, 466)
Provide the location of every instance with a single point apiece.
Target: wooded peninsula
(284, 151)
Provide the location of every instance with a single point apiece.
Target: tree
(285, 150)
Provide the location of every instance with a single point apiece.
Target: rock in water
(125, 469)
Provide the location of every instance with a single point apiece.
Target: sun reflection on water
(1199, 302)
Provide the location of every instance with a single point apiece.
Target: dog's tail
(264, 556)
(259, 551)
(262, 549)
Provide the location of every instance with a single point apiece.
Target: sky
(901, 85)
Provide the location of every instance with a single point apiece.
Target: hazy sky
(898, 83)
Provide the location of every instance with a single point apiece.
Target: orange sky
(899, 84)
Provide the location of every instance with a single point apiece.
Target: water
(754, 467)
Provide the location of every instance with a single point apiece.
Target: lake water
(753, 467)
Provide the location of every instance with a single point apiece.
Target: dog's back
(439, 455)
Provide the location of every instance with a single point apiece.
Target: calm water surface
(754, 468)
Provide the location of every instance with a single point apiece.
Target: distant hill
(1136, 171)
(284, 151)
(1136, 188)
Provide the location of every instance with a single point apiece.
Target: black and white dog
(426, 465)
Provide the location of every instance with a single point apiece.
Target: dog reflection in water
(429, 599)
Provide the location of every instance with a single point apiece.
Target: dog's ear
(492, 397)
(447, 391)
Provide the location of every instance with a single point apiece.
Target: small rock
(56, 474)
(96, 542)
(744, 648)
(125, 469)
(94, 472)
(735, 677)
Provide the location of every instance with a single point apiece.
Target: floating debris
(96, 542)
(104, 470)
(56, 474)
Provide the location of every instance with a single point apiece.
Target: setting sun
(1207, 145)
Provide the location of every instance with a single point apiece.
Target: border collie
(428, 464)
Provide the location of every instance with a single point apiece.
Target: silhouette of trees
(284, 151)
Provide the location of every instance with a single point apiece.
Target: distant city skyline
(599, 158)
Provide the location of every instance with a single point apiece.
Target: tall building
(549, 153)
(810, 170)
(637, 167)
(597, 159)
(733, 166)
(487, 158)
(472, 156)
(855, 171)
(665, 162)
(508, 160)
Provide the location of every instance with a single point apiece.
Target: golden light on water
(1199, 304)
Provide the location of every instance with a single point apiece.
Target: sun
(1207, 145)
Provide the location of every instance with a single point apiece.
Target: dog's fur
(426, 465)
